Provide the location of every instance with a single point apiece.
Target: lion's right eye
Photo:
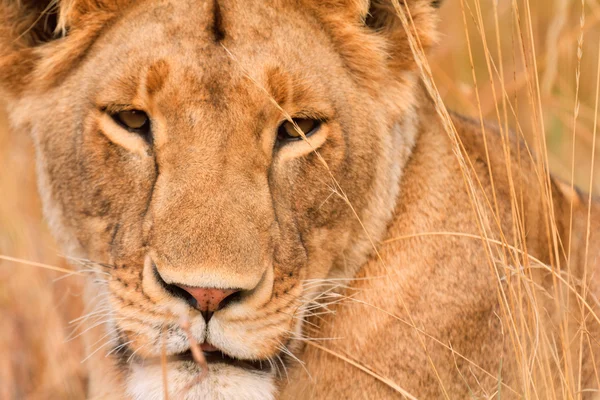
(133, 120)
(288, 132)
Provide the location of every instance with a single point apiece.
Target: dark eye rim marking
(283, 137)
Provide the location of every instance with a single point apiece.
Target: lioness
(267, 187)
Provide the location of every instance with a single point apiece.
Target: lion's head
(216, 160)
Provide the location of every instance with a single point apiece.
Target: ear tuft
(25, 25)
(28, 23)
(383, 18)
(382, 13)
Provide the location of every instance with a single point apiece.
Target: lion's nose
(209, 300)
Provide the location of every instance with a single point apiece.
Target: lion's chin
(223, 382)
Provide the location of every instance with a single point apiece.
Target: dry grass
(555, 33)
(531, 66)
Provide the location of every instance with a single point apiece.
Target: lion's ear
(384, 19)
(41, 39)
(384, 46)
(24, 26)
(383, 16)
(27, 23)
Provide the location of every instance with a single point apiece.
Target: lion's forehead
(253, 32)
(214, 93)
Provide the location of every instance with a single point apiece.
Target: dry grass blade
(565, 281)
(40, 265)
(163, 364)
(576, 119)
(197, 353)
(587, 240)
(366, 370)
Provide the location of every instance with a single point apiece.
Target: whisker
(135, 351)
(98, 349)
(119, 347)
(284, 368)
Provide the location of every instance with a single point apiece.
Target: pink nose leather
(208, 300)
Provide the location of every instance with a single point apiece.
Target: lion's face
(165, 157)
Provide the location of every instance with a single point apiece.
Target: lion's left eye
(288, 132)
(134, 120)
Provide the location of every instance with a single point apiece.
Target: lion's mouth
(219, 357)
(212, 356)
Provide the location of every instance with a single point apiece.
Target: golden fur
(210, 200)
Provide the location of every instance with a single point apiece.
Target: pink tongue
(208, 347)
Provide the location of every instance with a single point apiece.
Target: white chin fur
(224, 382)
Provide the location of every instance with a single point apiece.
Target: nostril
(206, 300)
(174, 290)
(210, 299)
(235, 296)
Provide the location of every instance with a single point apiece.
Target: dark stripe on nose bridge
(156, 77)
(218, 29)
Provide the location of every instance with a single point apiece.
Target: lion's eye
(133, 120)
(288, 132)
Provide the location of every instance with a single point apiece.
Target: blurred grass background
(37, 360)
(556, 28)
